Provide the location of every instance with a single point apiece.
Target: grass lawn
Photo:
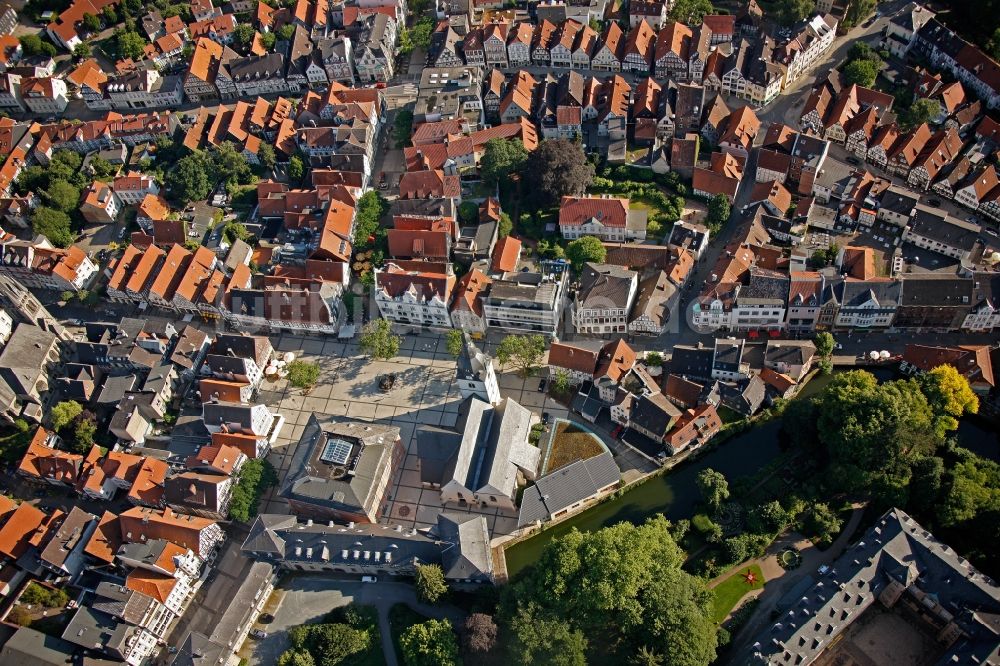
(401, 618)
(729, 592)
(571, 444)
(729, 416)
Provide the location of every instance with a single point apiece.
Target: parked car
(542, 384)
(258, 633)
(369, 579)
(545, 418)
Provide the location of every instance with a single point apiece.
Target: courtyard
(881, 637)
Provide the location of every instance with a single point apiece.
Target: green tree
(824, 343)
(773, 515)
(922, 111)
(524, 352)
(130, 44)
(645, 656)
(691, 11)
(296, 658)
(857, 11)
(585, 249)
(557, 168)
(993, 46)
(560, 382)
(31, 179)
(188, 180)
(949, 395)
(455, 342)
(91, 22)
(541, 640)
(822, 523)
(925, 485)
(296, 169)
(110, 15)
(403, 127)
(285, 32)
(328, 644)
(719, 210)
(230, 165)
(84, 430)
(430, 643)
(62, 196)
(368, 219)
(505, 226)
(378, 341)
(468, 212)
(255, 476)
(622, 583)
(266, 155)
(861, 72)
(268, 41)
(53, 224)
(303, 374)
(968, 493)
(33, 45)
(654, 359)
(243, 35)
(713, 487)
(430, 583)
(102, 169)
(793, 11)
(502, 158)
(81, 51)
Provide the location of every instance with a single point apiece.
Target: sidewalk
(779, 580)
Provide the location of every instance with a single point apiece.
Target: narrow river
(675, 493)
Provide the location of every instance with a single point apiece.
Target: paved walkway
(306, 599)
(779, 580)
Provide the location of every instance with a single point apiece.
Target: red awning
(774, 334)
(752, 334)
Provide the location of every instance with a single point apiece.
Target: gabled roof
(608, 211)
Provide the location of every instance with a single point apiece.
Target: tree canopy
(719, 210)
(378, 341)
(63, 413)
(584, 249)
(623, 584)
(713, 487)
(430, 583)
(455, 341)
(861, 72)
(524, 352)
(793, 11)
(430, 643)
(303, 374)
(188, 179)
(255, 476)
(502, 158)
(949, 395)
(62, 196)
(557, 168)
(53, 224)
(691, 12)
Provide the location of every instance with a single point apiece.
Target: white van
(369, 579)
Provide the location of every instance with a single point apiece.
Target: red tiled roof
(505, 255)
(609, 211)
(571, 357)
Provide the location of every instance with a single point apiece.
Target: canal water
(675, 493)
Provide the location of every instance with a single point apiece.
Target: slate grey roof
(239, 346)
(114, 599)
(655, 291)
(285, 539)
(94, 630)
(75, 529)
(895, 551)
(793, 352)
(653, 412)
(603, 286)
(566, 486)
(745, 396)
(115, 388)
(689, 361)
(854, 293)
(28, 647)
(228, 412)
(317, 482)
(199, 650)
(935, 225)
(728, 354)
(436, 449)
(951, 291)
(465, 553)
(21, 361)
(764, 287)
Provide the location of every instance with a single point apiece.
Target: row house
(89, 81)
(133, 187)
(722, 177)
(640, 45)
(828, 111)
(375, 45)
(967, 62)
(467, 306)
(519, 41)
(144, 88)
(561, 52)
(38, 264)
(984, 314)
(253, 76)
(447, 46)
(44, 95)
(933, 229)
(527, 302)
(415, 293)
(542, 40)
(607, 57)
(604, 299)
(980, 191)
(939, 151)
(337, 57)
